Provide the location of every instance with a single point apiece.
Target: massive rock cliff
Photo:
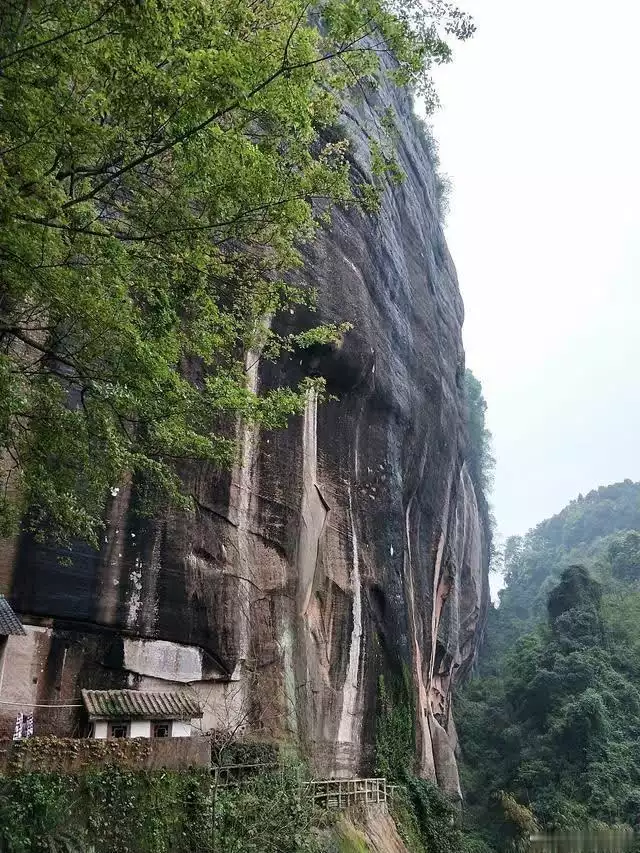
(347, 547)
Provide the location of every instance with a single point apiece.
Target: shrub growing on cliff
(425, 817)
(269, 812)
(443, 183)
(443, 194)
(159, 166)
(435, 815)
(479, 455)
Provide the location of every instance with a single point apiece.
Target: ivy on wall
(395, 727)
(426, 819)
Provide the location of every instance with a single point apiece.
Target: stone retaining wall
(75, 755)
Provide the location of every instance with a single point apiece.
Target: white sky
(540, 132)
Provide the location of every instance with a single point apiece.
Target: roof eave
(149, 718)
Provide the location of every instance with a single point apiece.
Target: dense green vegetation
(117, 810)
(106, 811)
(479, 453)
(552, 720)
(426, 820)
(160, 165)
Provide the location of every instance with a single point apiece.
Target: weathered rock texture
(373, 829)
(348, 546)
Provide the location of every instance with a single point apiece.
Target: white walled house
(10, 626)
(138, 713)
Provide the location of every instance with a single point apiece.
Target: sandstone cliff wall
(348, 546)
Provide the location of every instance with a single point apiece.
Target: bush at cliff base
(106, 811)
(124, 811)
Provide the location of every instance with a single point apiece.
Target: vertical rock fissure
(350, 688)
(314, 510)
(455, 590)
(427, 766)
(241, 485)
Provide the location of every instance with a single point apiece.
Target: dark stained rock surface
(348, 546)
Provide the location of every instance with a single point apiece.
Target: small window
(118, 730)
(160, 729)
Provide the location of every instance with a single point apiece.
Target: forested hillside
(552, 720)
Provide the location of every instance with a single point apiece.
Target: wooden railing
(342, 793)
(336, 794)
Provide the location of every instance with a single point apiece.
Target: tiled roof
(128, 704)
(9, 622)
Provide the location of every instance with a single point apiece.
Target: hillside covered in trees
(550, 725)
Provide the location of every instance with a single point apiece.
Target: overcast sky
(539, 130)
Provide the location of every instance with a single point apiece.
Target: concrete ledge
(74, 755)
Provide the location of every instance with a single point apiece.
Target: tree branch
(17, 53)
(284, 69)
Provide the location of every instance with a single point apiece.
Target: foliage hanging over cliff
(479, 456)
(160, 163)
(553, 718)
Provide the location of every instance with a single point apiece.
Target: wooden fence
(342, 793)
(336, 794)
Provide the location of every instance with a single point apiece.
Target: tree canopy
(160, 166)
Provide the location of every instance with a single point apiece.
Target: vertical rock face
(347, 547)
